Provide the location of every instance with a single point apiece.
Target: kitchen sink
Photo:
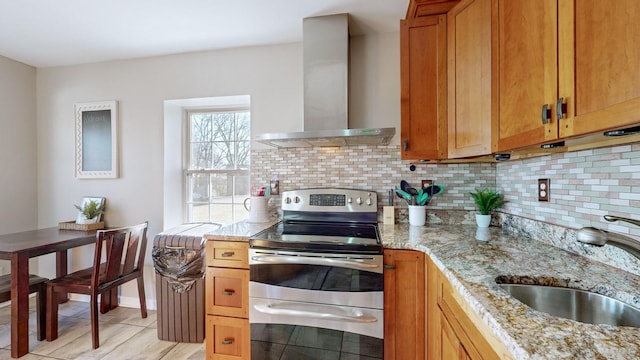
(574, 304)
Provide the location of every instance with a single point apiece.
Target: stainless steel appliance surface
(316, 281)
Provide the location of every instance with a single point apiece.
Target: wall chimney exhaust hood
(326, 91)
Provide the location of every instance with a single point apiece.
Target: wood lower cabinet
(454, 330)
(404, 304)
(227, 301)
(227, 338)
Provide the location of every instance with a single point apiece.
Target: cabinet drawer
(227, 292)
(230, 254)
(227, 338)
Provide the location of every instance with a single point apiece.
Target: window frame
(187, 172)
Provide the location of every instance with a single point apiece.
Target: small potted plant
(90, 212)
(487, 201)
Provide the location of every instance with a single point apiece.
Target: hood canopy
(326, 91)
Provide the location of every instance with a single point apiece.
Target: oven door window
(317, 277)
(278, 341)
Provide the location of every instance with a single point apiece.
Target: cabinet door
(470, 115)
(526, 46)
(599, 64)
(231, 254)
(227, 338)
(404, 301)
(451, 346)
(227, 292)
(423, 88)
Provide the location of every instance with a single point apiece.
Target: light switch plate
(543, 189)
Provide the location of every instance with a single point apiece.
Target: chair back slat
(115, 250)
(122, 247)
(129, 263)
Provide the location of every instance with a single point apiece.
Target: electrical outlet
(543, 189)
(426, 183)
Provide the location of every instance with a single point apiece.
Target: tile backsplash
(376, 168)
(585, 185)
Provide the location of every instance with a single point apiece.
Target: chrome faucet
(599, 237)
(611, 218)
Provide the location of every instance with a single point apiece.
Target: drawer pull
(228, 253)
(227, 341)
(228, 292)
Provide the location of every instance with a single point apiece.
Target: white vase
(483, 220)
(483, 233)
(417, 215)
(81, 219)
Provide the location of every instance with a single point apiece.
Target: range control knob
(359, 201)
(369, 201)
(287, 200)
(349, 200)
(296, 200)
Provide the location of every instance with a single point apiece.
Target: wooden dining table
(19, 248)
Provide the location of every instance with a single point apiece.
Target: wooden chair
(122, 261)
(36, 284)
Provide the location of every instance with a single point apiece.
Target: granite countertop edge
(472, 267)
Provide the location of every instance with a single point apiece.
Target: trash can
(179, 260)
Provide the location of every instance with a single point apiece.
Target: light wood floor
(123, 335)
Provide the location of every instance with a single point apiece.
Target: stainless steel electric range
(316, 282)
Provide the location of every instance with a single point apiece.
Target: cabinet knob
(546, 114)
(389, 267)
(561, 108)
(228, 341)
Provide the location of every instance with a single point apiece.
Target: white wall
(18, 178)
(271, 76)
(17, 147)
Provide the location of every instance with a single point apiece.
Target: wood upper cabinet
(526, 47)
(423, 99)
(419, 8)
(470, 79)
(599, 64)
(404, 304)
(583, 53)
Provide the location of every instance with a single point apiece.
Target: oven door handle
(285, 259)
(311, 311)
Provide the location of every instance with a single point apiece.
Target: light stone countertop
(240, 231)
(472, 267)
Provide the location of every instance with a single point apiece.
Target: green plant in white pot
(487, 201)
(90, 212)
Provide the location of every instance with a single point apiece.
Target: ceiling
(45, 33)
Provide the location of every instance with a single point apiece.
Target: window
(217, 175)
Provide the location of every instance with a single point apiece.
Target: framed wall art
(96, 125)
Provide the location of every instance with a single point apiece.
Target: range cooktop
(325, 220)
